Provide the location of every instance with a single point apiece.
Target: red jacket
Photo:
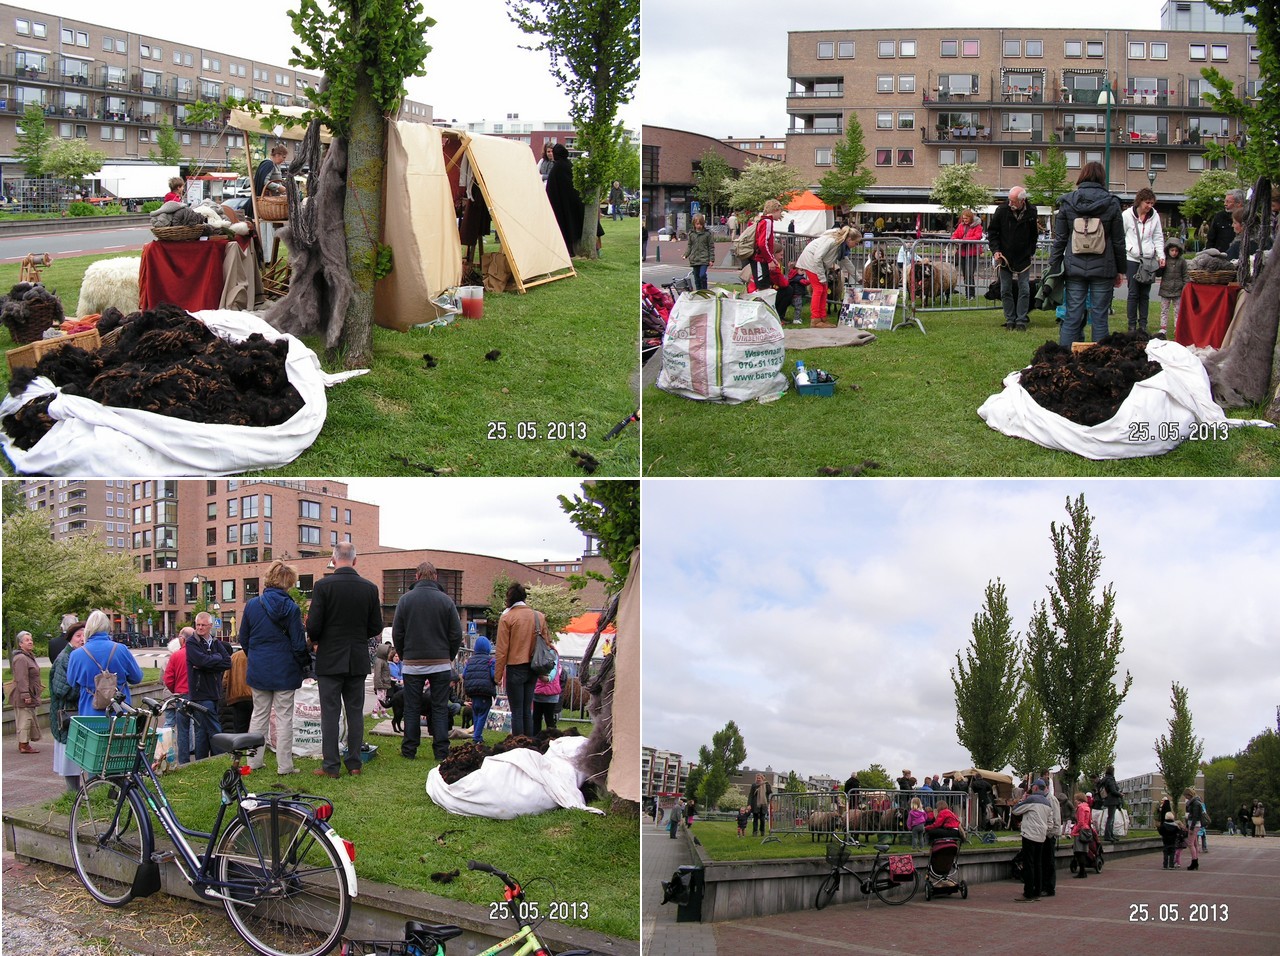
(945, 818)
(972, 231)
(175, 672)
(764, 240)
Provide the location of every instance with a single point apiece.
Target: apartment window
(144, 136)
(884, 157)
(1159, 160)
(1197, 51)
(906, 157)
(1013, 48)
(969, 48)
(233, 508)
(949, 48)
(1009, 158)
(1159, 51)
(233, 557)
(906, 83)
(884, 121)
(1092, 156)
(1253, 53)
(177, 58)
(844, 50)
(22, 27)
(946, 157)
(1137, 50)
(884, 84)
(1031, 158)
(1219, 51)
(884, 48)
(144, 50)
(68, 36)
(1137, 160)
(233, 534)
(333, 539)
(122, 46)
(228, 590)
(822, 156)
(308, 534)
(1073, 49)
(826, 49)
(157, 53)
(346, 512)
(907, 120)
(906, 48)
(266, 506)
(266, 532)
(108, 44)
(211, 536)
(1094, 48)
(309, 509)
(1035, 48)
(188, 59)
(333, 513)
(39, 30)
(249, 507)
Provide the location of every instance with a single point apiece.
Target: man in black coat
(207, 660)
(345, 612)
(427, 634)
(1221, 234)
(1012, 235)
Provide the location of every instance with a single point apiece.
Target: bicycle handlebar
(486, 868)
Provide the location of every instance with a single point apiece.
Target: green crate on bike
(106, 744)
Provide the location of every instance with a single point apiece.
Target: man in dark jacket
(1012, 235)
(207, 659)
(1221, 232)
(1091, 278)
(1111, 799)
(427, 634)
(345, 612)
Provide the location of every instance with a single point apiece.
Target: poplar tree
(719, 762)
(986, 684)
(1178, 753)
(849, 178)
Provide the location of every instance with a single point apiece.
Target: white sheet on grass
(1180, 394)
(516, 784)
(88, 438)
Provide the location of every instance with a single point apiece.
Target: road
(60, 245)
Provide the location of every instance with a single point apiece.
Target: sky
(725, 74)
(475, 70)
(824, 617)
(516, 518)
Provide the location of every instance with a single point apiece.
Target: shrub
(151, 205)
(111, 209)
(78, 208)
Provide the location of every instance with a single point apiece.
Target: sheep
(880, 273)
(110, 282)
(822, 823)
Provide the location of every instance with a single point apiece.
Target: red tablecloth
(1204, 312)
(186, 274)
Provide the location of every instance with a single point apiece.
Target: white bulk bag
(516, 783)
(723, 349)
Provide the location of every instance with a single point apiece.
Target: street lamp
(196, 579)
(1151, 178)
(1231, 804)
(1107, 96)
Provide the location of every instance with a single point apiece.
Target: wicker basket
(272, 208)
(29, 355)
(29, 323)
(1214, 277)
(177, 233)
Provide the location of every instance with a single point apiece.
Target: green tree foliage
(957, 188)
(711, 181)
(794, 784)
(875, 777)
(366, 49)
(694, 780)
(626, 168)
(555, 601)
(35, 141)
(1204, 195)
(1260, 155)
(732, 799)
(986, 684)
(1179, 751)
(1048, 178)
(170, 153)
(719, 762)
(760, 181)
(13, 502)
(1074, 642)
(1033, 747)
(498, 597)
(847, 181)
(608, 511)
(73, 160)
(594, 47)
(44, 579)
(1100, 756)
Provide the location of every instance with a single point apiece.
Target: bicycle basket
(837, 853)
(902, 868)
(103, 745)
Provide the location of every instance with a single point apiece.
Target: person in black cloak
(564, 198)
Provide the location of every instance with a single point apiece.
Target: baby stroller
(944, 876)
(1093, 856)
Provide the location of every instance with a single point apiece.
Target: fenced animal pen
(866, 815)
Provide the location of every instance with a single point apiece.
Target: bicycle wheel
(827, 890)
(895, 894)
(110, 836)
(285, 884)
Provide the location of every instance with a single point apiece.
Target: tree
(719, 762)
(760, 181)
(732, 799)
(794, 784)
(626, 168)
(1178, 753)
(35, 140)
(711, 181)
(498, 597)
(13, 501)
(1033, 748)
(694, 780)
(73, 160)
(1048, 179)
(609, 514)
(594, 47)
(1204, 196)
(1259, 156)
(957, 188)
(555, 601)
(1073, 643)
(1101, 755)
(366, 49)
(170, 151)
(849, 178)
(875, 777)
(986, 684)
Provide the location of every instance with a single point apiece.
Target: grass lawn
(914, 412)
(402, 837)
(568, 365)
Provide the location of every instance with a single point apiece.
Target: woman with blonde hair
(970, 231)
(1195, 816)
(100, 653)
(765, 259)
(276, 647)
(817, 260)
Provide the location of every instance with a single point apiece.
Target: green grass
(575, 856)
(568, 365)
(914, 412)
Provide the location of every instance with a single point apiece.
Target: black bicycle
(890, 888)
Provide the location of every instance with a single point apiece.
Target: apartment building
(1143, 793)
(760, 147)
(662, 771)
(110, 87)
(931, 97)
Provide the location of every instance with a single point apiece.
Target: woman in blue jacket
(100, 653)
(275, 643)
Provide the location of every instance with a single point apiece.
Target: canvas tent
(810, 214)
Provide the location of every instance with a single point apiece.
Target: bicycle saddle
(231, 742)
(413, 930)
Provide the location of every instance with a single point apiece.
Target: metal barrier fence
(864, 814)
(952, 275)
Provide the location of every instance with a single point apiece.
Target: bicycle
(880, 881)
(285, 878)
(421, 939)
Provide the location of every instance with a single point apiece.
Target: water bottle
(802, 377)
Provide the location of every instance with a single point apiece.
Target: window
(144, 136)
(122, 46)
(108, 44)
(884, 157)
(177, 58)
(946, 157)
(906, 83)
(1195, 163)
(906, 48)
(346, 512)
(68, 35)
(333, 513)
(333, 539)
(233, 557)
(949, 48)
(39, 30)
(1219, 51)
(1137, 160)
(844, 50)
(1031, 157)
(266, 532)
(1253, 53)
(1035, 48)
(157, 53)
(1095, 48)
(1159, 160)
(906, 157)
(144, 50)
(1016, 122)
(249, 507)
(907, 120)
(233, 508)
(266, 506)
(211, 536)
(228, 590)
(822, 156)
(22, 27)
(826, 50)
(1073, 48)
(233, 534)
(884, 48)
(884, 84)
(308, 534)
(1197, 51)
(1159, 51)
(1013, 48)
(969, 48)
(884, 121)
(309, 509)
(1092, 156)
(1137, 50)
(1009, 158)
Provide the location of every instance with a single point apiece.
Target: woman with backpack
(1089, 248)
(275, 642)
(101, 655)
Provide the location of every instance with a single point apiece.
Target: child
(477, 681)
(1168, 831)
(915, 823)
(1180, 844)
(1172, 281)
(744, 815)
(701, 250)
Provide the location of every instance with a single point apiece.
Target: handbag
(902, 868)
(544, 655)
(1147, 265)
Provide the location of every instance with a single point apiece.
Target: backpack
(744, 247)
(105, 685)
(1088, 236)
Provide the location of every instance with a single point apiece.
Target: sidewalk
(660, 934)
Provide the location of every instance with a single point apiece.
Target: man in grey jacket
(1037, 819)
(427, 634)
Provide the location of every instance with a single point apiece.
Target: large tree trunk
(590, 220)
(362, 220)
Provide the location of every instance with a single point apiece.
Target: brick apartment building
(662, 771)
(217, 538)
(930, 97)
(668, 160)
(110, 87)
(760, 147)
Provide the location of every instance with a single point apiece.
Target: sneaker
(285, 773)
